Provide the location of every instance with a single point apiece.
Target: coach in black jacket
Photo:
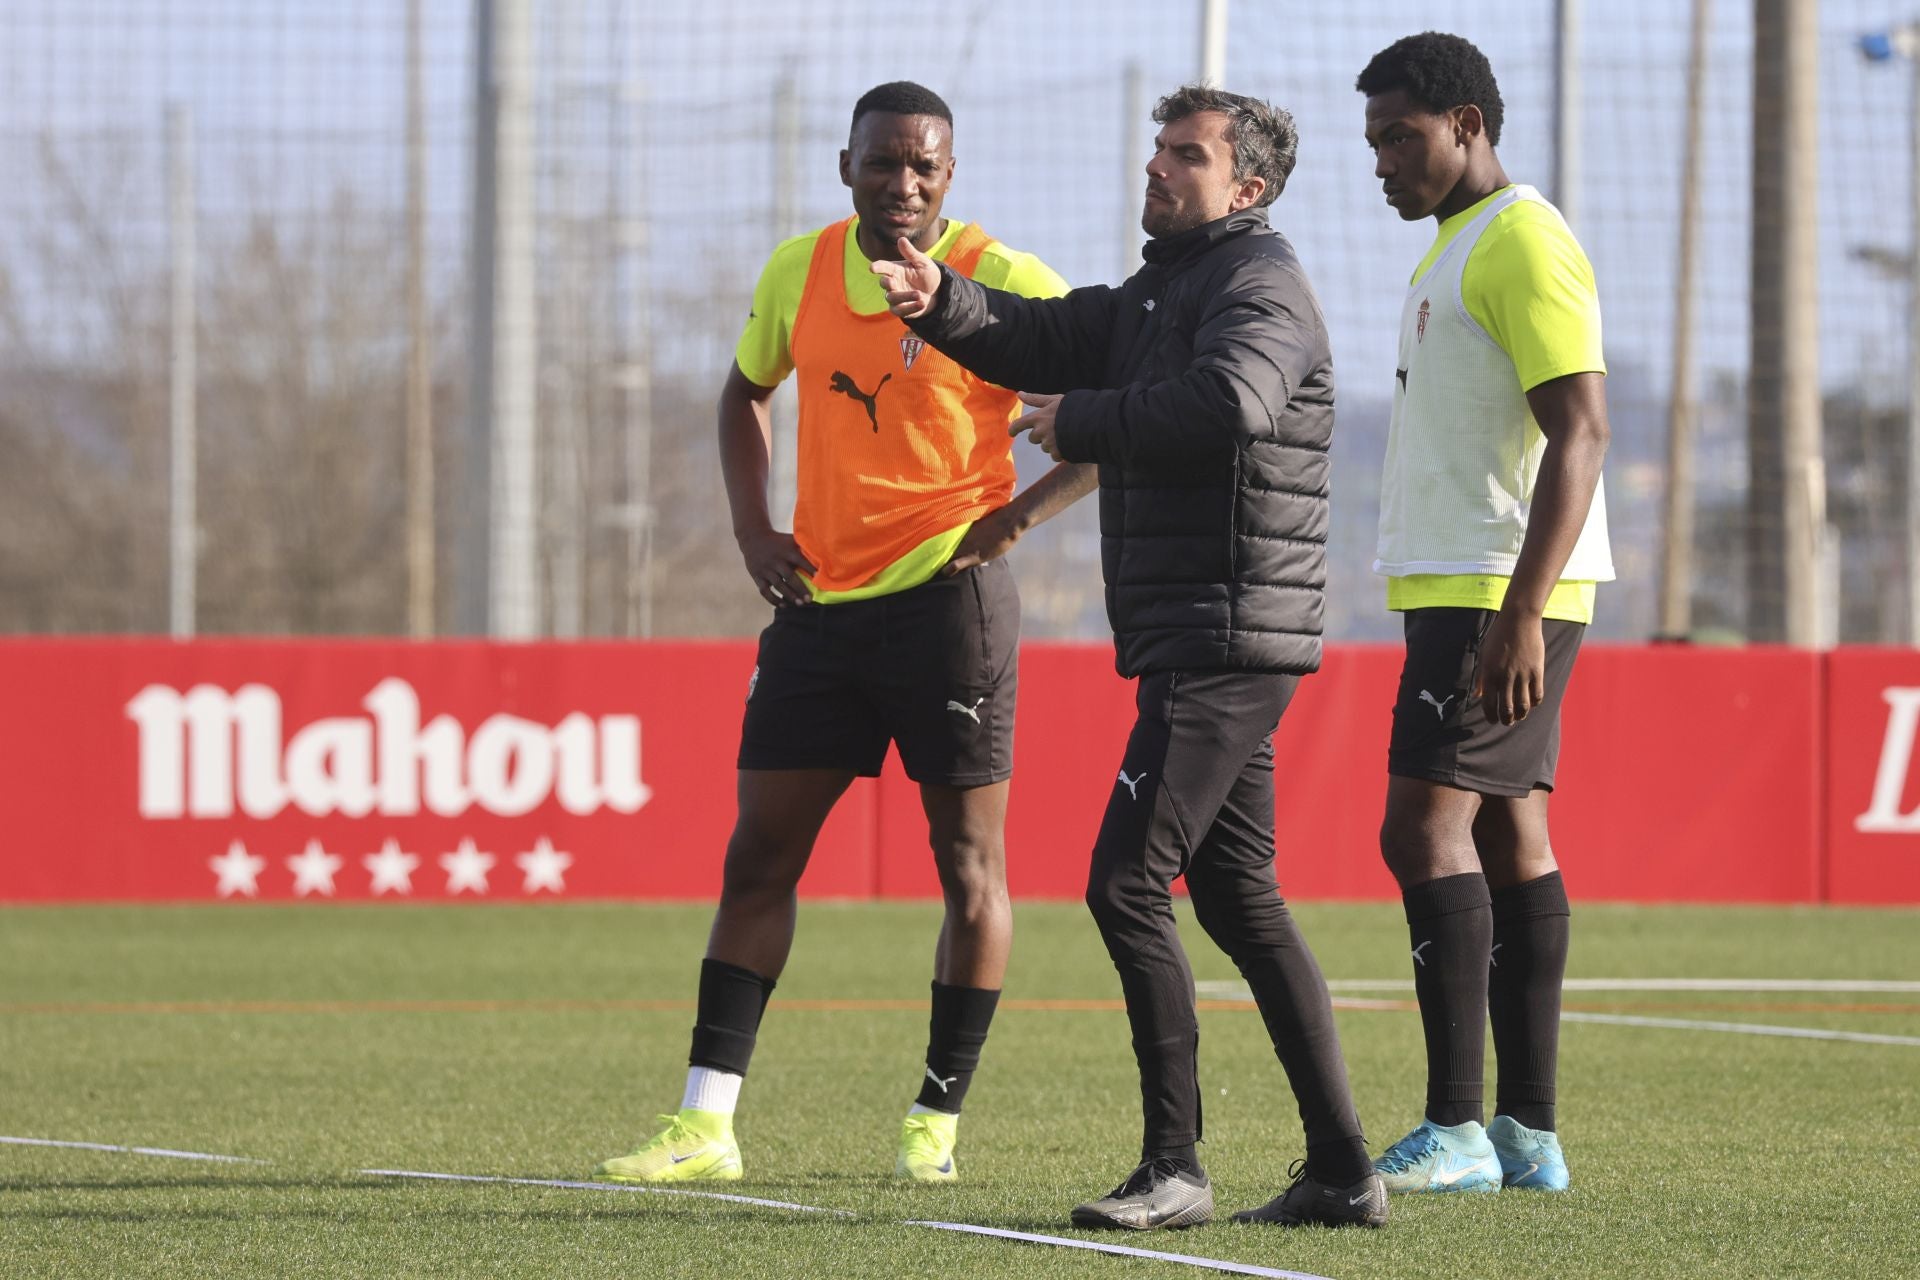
(1203, 388)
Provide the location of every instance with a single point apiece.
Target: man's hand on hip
(911, 282)
(775, 563)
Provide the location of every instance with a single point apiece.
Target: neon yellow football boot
(926, 1147)
(696, 1146)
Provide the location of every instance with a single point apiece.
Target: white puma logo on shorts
(972, 712)
(1439, 707)
(1133, 784)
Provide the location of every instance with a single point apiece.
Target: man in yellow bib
(895, 621)
(1493, 534)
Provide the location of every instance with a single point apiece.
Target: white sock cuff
(709, 1089)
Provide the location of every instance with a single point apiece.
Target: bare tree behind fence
(462, 278)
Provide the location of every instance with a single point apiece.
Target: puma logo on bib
(847, 387)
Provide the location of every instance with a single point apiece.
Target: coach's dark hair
(1264, 141)
(902, 98)
(1440, 72)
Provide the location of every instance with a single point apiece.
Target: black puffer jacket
(1203, 387)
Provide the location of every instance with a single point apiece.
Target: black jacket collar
(1174, 251)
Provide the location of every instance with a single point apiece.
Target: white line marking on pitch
(136, 1151)
(1229, 989)
(1215, 1264)
(1233, 990)
(1830, 985)
(605, 1186)
(1739, 1028)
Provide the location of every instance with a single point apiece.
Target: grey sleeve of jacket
(1257, 340)
(1029, 344)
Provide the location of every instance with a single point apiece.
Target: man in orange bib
(895, 620)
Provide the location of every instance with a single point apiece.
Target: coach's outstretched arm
(1255, 345)
(1029, 344)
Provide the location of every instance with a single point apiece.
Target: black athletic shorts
(1442, 734)
(933, 669)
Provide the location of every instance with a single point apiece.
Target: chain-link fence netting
(668, 147)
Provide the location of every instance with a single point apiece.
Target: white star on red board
(545, 867)
(313, 870)
(466, 869)
(391, 868)
(239, 871)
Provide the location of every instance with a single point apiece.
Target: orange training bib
(897, 443)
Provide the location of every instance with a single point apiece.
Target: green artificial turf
(534, 1041)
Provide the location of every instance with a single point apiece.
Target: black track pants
(1194, 797)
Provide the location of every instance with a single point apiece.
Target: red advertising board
(1691, 775)
(1873, 796)
(149, 770)
(1330, 777)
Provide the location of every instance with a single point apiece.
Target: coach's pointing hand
(1037, 422)
(910, 283)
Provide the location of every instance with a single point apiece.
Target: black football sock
(1184, 1159)
(1292, 996)
(1338, 1163)
(961, 1016)
(728, 1018)
(1450, 921)
(1530, 928)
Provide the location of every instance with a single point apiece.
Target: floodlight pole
(183, 541)
(1884, 46)
(472, 510)
(419, 405)
(1911, 41)
(1676, 552)
(1213, 43)
(1566, 110)
(498, 586)
(1788, 561)
(514, 595)
(1133, 146)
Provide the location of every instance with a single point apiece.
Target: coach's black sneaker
(1160, 1194)
(1310, 1201)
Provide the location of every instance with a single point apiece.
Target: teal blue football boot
(1530, 1159)
(1432, 1158)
